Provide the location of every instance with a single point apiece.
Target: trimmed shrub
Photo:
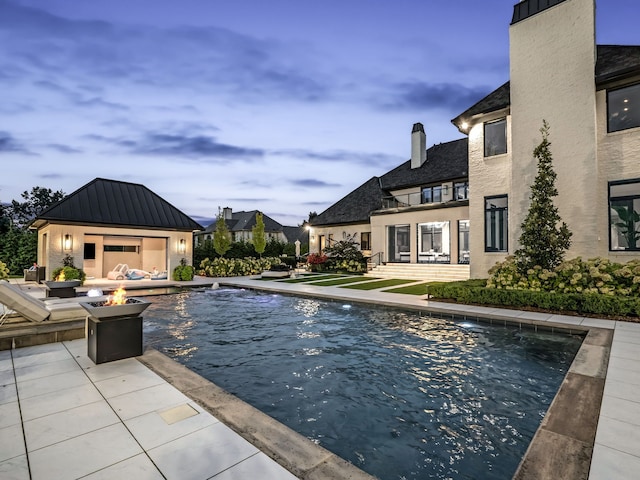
(4, 271)
(70, 273)
(183, 272)
(234, 267)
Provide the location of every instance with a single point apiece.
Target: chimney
(227, 213)
(418, 146)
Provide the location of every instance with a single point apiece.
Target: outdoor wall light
(67, 242)
(182, 246)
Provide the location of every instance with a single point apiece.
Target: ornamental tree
(544, 238)
(221, 237)
(257, 235)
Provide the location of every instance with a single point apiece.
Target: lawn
(418, 289)
(342, 281)
(390, 282)
(312, 278)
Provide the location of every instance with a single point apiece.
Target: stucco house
(107, 222)
(590, 96)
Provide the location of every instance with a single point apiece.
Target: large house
(240, 226)
(463, 202)
(107, 222)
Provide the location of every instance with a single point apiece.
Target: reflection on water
(398, 394)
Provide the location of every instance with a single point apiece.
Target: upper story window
(461, 190)
(624, 215)
(432, 194)
(495, 137)
(623, 108)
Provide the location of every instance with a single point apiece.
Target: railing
(375, 259)
(406, 200)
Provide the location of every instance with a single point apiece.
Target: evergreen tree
(221, 237)
(257, 234)
(544, 238)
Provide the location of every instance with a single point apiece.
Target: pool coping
(293, 451)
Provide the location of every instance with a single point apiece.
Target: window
(432, 194)
(121, 248)
(398, 243)
(89, 251)
(365, 241)
(623, 108)
(495, 137)
(463, 241)
(624, 215)
(433, 242)
(461, 190)
(495, 223)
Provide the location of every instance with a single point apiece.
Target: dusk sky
(277, 105)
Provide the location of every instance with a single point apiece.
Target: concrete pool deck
(29, 404)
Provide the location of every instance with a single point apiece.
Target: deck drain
(176, 414)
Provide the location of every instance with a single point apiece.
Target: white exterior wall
(552, 72)
(51, 253)
(618, 159)
(488, 176)
(412, 218)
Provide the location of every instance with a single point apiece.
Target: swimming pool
(397, 393)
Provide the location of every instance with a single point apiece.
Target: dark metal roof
(245, 221)
(445, 161)
(355, 207)
(114, 203)
(528, 8)
(616, 62)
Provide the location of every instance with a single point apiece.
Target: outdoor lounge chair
(36, 310)
(119, 272)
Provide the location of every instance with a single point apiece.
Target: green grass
(312, 278)
(418, 289)
(390, 282)
(342, 281)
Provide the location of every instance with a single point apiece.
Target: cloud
(193, 146)
(423, 95)
(312, 183)
(186, 146)
(210, 59)
(361, 158)
(249, 199)
(8, 144)
(63, 148)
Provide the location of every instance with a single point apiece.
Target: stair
(421, 271)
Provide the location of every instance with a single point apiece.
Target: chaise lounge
(35, 310)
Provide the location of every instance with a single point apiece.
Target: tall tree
(544, 238)
(257, 235)
(221, 237)
(39, 198)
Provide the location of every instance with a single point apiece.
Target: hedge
(589, 303)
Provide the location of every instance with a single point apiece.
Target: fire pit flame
(60, 277)
(119, 297)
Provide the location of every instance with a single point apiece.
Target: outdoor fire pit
(114, 328)
(61, 288)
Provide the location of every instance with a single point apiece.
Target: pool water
(399, 394)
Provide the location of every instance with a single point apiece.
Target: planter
(62, 284)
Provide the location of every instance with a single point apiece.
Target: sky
(280, 106)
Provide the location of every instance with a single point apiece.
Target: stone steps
(421, 271)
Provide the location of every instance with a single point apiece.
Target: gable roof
(245, 221)
(114, 203)
(355, 207)
(613, 62)
(296, 233)
(445, 161)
